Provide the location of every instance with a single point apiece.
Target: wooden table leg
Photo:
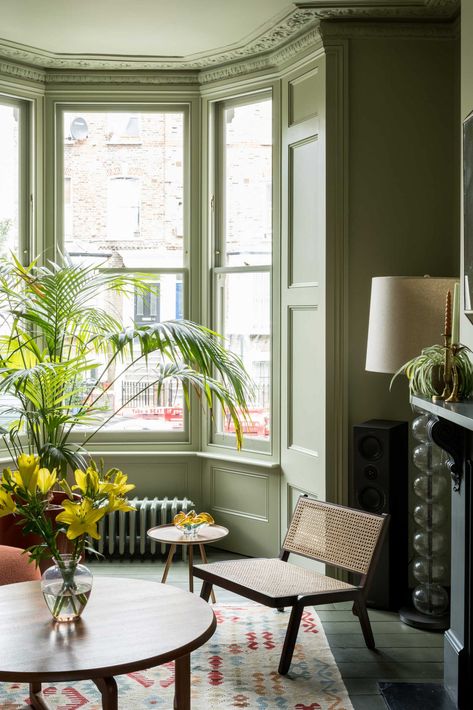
(204, 560)
(182, 689)
(191, 560)
(109, 691)
(35, 701)
(172, 550)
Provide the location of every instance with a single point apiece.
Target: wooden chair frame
(211, 574)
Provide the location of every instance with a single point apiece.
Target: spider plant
(54, 336)
(425, 371)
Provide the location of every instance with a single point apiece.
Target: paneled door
(303, 421)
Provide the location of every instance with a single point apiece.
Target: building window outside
(179, 301)
(147, 305)
(128, 213)
(244, 248)
(123, 211)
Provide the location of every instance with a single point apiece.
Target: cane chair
(341, 537)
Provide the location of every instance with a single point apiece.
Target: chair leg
(290, 640)
(359, 608)
(206, 590)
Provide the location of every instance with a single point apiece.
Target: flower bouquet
(29, 494)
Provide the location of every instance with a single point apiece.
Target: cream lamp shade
(407, 313)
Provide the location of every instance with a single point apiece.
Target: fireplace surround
(452, 429)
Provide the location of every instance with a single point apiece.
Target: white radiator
(124, 533)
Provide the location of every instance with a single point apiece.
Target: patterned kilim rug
(236, 668)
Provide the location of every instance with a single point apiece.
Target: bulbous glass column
(431, 484)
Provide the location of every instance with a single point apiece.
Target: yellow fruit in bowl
(192, 520)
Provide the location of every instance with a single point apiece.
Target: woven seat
(281, 581)
(336, 535)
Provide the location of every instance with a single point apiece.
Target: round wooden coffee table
(171, 535)
(128, 625)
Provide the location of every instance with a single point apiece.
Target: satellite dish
(79, 128)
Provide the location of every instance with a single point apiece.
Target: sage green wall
(403, 187)
(466, 105)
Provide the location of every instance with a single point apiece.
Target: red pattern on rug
(236, 668)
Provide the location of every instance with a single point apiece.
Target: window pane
(9, 179)
(9, 216)
(123, 187)
(130, 389)
(124, 208)
(246, 326)
(247, 184)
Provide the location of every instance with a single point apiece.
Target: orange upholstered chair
(14, 566)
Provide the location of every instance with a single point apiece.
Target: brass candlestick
(450, 371)
(453, 349)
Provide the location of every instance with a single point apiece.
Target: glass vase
(66, 588)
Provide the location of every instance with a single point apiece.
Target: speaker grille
(380, 465)
(371, 448)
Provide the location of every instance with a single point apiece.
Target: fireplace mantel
(452, 429)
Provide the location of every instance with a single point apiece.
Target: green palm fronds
(57, 335)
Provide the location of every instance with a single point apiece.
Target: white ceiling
(166, 28)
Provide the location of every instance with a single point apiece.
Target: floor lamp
(406, 315)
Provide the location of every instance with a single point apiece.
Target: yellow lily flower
(7, 504)
(81, 518)
(28, 467)
(46, 479)
(117, 503)
(89, 484)
(120, 485)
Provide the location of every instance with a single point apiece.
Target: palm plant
(55, 335)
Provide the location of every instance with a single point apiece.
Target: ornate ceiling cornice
(360, 29)
(22, 72)
(294, 22)
(274, 36)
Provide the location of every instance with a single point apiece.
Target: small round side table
(170, 535)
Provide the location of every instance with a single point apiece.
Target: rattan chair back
(339, 536)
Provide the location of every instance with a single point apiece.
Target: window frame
(25, 171)
(152, 440)
(218, 251)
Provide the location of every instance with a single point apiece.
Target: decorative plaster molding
(273, 36)
(118, 77)
(360, 29)
(20, 71)
(266, 62)
(289, 26)
(258, 63)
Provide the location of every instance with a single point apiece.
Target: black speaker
(380, 485)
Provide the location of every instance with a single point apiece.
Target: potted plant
(54, 335)
(426, 372)
(57, 335)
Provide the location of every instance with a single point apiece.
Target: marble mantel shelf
(460, 413)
